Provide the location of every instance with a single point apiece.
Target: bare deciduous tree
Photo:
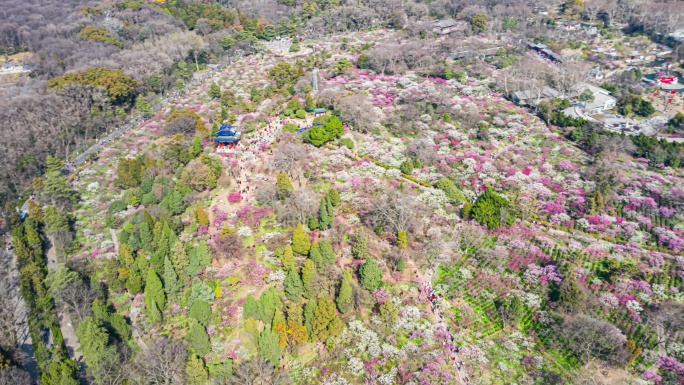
(287, 155)
(14, 376)
(78, 298)
(667, 320)
(163, 363)
(8, 305)
(395, 212)
(258, 371)
(298, 207)
(591, 338)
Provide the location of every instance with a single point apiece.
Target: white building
(602, 99)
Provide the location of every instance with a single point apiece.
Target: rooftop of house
(599, 101)
(532, 95)
(446, 23)
(581, 87)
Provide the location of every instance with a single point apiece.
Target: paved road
(94, 149)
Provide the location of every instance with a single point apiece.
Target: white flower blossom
(244, 232)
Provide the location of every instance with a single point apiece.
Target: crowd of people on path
(450, 345)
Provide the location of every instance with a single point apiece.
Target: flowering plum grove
(441, 234)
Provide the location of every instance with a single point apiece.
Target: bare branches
(394, 212)
(258, 371)
(287, 155)
(162, 364)
(78, 298)
(297, 207)
(8, 305)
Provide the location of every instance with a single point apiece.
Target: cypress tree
(157, 231)
(126, 255)
(325, 322)
(154, 312)
(134, 281)
(35, 211)
(309, 309)
(203, 253)
(334, 197)
(214, 90)
(250, 308)
(327, 252)
(517, 310)
(154, 295)
(170, 278)
(371, 275)
(300, 241)
(180, 260)
(56, 186)
(293, 285)
(201, 215)
(598, 198)
(99, 310)
(55, 221)
(143, 105)
(201, 311)
(146, 237)
(294, 313)
(308, 272)
(450, 190)
(288, 258)
(94, 344)
(487, 209)
(268, 303)
(277, 318)
(269, 346)
(402, 239)
(344, 297)
(360, 247)
(284, 185)
(143, 266)
(324, 218)
(389, 313)
(148, 218)
(570, 293)
(316, 257)
(331, 212)
(162, 248)
(196, 373)
(198, 340)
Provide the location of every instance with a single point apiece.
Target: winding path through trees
(65, 324)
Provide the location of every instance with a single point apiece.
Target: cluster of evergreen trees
(29, 240)
(490, 209)
(319, 135)
(326, 212)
